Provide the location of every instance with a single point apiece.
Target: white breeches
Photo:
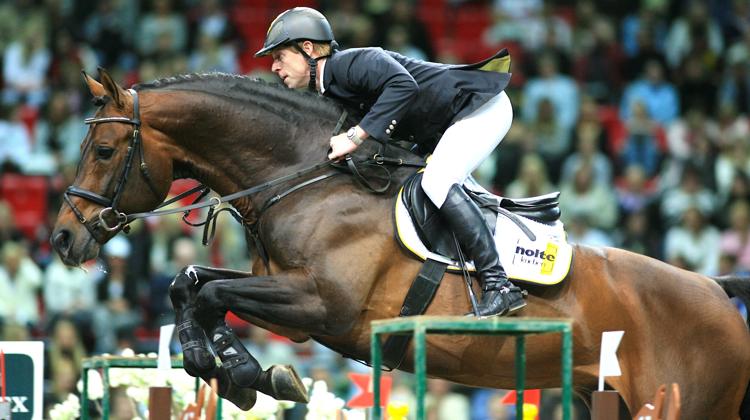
(465, 145)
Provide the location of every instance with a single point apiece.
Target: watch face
(351, 133)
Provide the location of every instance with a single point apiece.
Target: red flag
(365, 398)
(530, 396)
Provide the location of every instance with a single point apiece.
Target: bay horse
(334, 265)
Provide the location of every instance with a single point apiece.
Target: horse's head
(122, 170)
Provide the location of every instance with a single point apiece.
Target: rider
(459, 113)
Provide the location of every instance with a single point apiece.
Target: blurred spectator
(647, 50)
(731, 125)
(693, 244)
(682, 133)
(110, 29)
(736, 22)
(344, 16)
(162, 30)
(735, 240)
(638, 235)
(694, 33)
(531, 179)
(734, 90)
(441, 403)
(598, 68)
(587, 153)
(15, 147)
(65, 353)
(646, 28)
(210, 18)
(401, 16)
(581, 232)
(20, 281)
(689, 193)
(641, 145)
(658, 94)
(118, 308)
(9, 231)
(546, 29)
(210, 55)
(183, 253)
(634, 194)
(559, 89)
(551, 140)
(696, 86)
(25, 64)
(733, 159)
(398, 40)
(68, 292)
(594, 201)
(503, 165)
(60, 131)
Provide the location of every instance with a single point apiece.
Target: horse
(333, 265)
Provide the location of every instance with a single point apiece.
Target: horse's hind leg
(244, 371)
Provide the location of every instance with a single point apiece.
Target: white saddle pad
(545, 260)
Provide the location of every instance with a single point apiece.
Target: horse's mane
(274, 97)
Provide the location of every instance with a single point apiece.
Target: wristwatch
(353, 135)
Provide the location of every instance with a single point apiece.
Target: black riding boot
(499, 295)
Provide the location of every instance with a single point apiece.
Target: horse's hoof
(283, 383)
(243, 398)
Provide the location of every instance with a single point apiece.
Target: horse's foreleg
(287, 299)
(198, 359)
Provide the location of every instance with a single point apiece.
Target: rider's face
(291, 67)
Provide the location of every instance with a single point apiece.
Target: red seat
(27, 197)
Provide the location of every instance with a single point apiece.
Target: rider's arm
(375, 72)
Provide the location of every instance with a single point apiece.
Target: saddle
(436, 236)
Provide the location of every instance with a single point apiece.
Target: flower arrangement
(323, 404)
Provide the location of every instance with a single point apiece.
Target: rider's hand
(341, 146)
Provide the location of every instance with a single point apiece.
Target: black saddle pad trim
(430, 227)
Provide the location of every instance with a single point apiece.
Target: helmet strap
(313, 62)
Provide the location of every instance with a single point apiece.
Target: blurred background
(635, 110)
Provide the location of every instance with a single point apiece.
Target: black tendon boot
(499, 296)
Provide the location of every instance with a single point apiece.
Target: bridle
(110, 206)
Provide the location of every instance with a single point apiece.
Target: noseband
(110, 206)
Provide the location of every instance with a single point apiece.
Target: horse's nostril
(61, 240)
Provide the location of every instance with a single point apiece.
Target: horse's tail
(736, 286)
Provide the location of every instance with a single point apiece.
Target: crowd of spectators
(636, 111)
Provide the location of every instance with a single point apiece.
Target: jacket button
(393, 122)
(361, 105)
(411, 138)
(388, 131)
(391, 127)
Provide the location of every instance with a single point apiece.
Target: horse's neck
(230, 148)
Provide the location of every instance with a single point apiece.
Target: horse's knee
(182, 288)
(209, 301)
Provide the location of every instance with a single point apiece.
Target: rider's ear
(96, 88)
(114, 90)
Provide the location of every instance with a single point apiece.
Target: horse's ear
(114, 90)
(96, 88)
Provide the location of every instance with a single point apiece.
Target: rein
(379, 161)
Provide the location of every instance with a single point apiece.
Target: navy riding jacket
(408, 99)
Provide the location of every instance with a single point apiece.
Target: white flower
(95, 385)
(70, 409)
(323, 405)
(127, 353)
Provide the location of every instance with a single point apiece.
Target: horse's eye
(104, 152)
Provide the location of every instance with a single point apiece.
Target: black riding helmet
(298, 24)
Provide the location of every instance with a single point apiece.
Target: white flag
(608, 364)
(164, 361)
